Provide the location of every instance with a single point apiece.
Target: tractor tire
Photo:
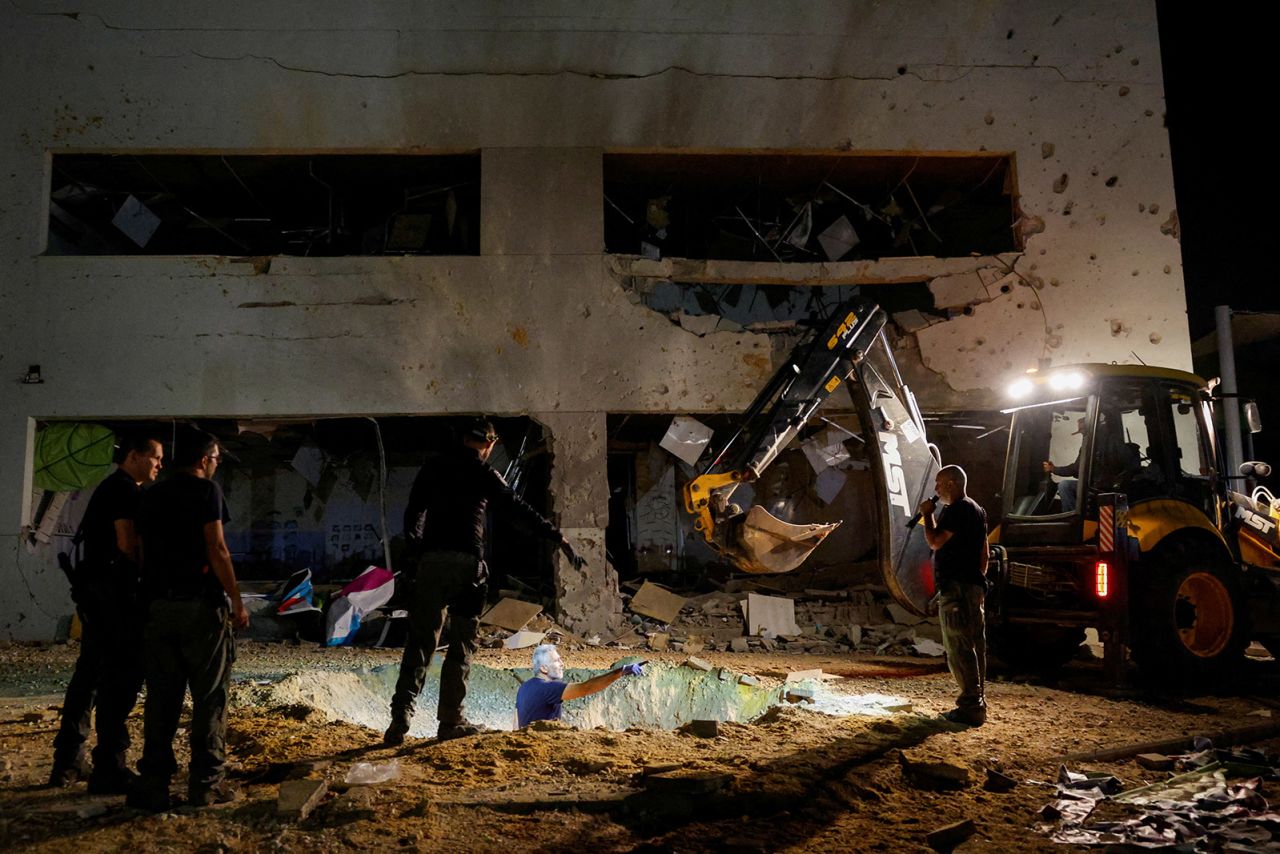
(1188, 620)
(1042, 650)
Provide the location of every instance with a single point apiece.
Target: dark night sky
(1218, 98)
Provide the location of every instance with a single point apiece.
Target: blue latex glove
(636, 669)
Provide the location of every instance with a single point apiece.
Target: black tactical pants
(189, 644)
(452, 584)
(964, 635)
(108, 674)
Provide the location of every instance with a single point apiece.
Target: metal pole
(1230, 403)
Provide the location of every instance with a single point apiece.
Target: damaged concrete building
(582, 221)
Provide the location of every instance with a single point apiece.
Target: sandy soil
(794, 780)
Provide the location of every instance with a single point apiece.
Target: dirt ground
(794, 780)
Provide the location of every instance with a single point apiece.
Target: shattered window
(173, 204)
(811, 207)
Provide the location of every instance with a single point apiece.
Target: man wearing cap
(444, 523)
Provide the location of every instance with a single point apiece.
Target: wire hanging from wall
(382, 492)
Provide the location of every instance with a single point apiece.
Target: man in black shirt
(108, 670)
(187, 580)
(444, 522)
(960, 552)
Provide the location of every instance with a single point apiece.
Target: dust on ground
(793, 780)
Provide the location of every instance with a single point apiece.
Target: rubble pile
(861, 619)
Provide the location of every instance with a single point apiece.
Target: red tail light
(1102, 579)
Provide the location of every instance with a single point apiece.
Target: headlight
(1020, 388)
(1066, 381)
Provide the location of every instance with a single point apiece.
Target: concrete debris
(738, 644)
(704, 729)
(949, 836)
(998, 781)
(524, 640)
(902, 616)
(658, 602)
(92, 810)
(1155, 761)
(299, 797)
(797, 694)
(771, 612)
(938, 776)
(35, 717)
(302, 770)
(927, 646)
(697, 664)
(659, 641)
(801, 675)
(687, 783)
(511, 614)
(748, 679)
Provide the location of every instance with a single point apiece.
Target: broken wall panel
(803, 207)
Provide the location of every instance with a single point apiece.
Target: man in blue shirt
(541, 697)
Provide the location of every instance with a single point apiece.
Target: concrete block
(704, 729)
(748, 679)
(998, 781)
(687, 783)
(659, 641)
(795, 694)
(298, 798)
(949, 836)
(302, 770)
(738, 645)
(697, 663)
(1155, 761)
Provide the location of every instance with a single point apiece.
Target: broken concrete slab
(687, 782)
(302, 770)
(659, 641)
(697, 664)
(938, 776)
(651, 600)
(739, 645)
(998, 781)
(902, 616)
(772, 613)
(795, 694)
(748, 679)
(511, 614)
(949, 836)
(801, 675)
(704, 729)
(298, 798)
(524, 640)
(1155, 761)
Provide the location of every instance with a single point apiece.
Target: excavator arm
(850, 350)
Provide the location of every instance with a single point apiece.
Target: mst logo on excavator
(893, 476)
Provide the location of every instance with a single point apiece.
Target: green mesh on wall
(72, 455)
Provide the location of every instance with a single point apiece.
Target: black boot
(399, 728)
(111, 781)
(66, 773)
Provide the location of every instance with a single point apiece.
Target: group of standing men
(157, 598)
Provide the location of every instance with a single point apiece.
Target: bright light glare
(1066, 380)
(1020, 388)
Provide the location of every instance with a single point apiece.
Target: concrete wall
(539, 323)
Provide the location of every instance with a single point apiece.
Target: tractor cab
(1082, 432)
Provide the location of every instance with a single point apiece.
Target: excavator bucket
(762, 542)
